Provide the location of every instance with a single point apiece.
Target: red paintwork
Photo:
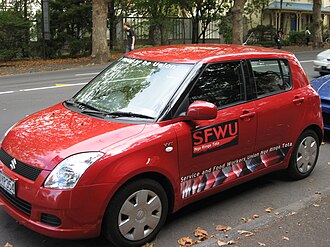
(45, 138)
(201, 110)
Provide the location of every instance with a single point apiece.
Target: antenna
(245, 43)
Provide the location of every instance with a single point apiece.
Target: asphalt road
(24, 94)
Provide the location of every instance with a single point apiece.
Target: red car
(156, 130)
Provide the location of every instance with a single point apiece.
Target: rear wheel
(304, 155)
(136, 213)
(323, 73)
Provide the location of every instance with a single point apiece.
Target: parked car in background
(158, 129)
(322, 85)
(322, 62)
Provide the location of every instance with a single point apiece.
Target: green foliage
(263, 33)
(71, 28)
(297, 38)
(225, 28)
(12, 31)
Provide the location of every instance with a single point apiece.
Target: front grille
(50, 219)
(18, 203)
(22, 169)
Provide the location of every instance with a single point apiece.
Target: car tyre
(136, 213)
(304, 156)
(323, 73)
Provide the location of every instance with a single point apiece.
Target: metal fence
(179, 30)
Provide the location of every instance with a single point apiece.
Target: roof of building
(295, 6)
(206, 52)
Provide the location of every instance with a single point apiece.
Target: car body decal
(229, 171)
(214, 137)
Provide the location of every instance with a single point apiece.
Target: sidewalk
(302, 224)
(40, 65)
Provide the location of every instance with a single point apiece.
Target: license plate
(7, 184)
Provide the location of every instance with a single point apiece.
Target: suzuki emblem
(13, 164)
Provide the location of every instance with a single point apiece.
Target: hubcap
(306, 155)
(139, 215)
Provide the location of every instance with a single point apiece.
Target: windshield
(133, 86)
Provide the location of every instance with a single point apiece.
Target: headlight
(67, 173)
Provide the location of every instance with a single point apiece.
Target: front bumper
(321, 66)
(71, 214)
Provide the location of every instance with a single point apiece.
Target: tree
(204, 12)
(158, 14)
(71, 27)
(237, 19)
(13, 27)
(100, 49)
(317, 24)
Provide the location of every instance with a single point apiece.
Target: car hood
(323, 55)
(49, 136)
(322, 85)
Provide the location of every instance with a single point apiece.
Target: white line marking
(86, 74)
(43, 88)
(7, 92)
(306, 61)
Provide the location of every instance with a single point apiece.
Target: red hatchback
(156, 130)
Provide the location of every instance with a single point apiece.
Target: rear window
(271, 76)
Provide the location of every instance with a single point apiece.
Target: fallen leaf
(255, 216)
(246, 220)
(318, 193)
(269, 210)
(186, 242)
(245, 233)
(316, 205)
(261, 244)
(223, 228)
(328, 163)
(8, 245)
(201, 234)
(231, 242)
(277, 213)
(286, 238)
(322, 143)
(148, 245)
(222, 243)
(292, 213)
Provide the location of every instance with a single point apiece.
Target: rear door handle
(298, 100)
(247, 115)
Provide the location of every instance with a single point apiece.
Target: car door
(278, 108)
(213, 152)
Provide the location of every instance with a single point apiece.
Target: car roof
(204, 52)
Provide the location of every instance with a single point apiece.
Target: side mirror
(201, 110)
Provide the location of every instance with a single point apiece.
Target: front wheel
(136, 213)
(304, 156)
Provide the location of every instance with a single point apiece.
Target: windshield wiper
(116, 114)
(87, 109)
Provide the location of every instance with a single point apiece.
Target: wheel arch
(317, 130)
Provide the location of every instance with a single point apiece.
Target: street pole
(45, 25)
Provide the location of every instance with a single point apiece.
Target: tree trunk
(100, 50)
(317, 24)
(237, 21)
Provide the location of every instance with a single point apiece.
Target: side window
(271, 76)
(220, 84)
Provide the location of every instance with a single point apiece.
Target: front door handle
(247, 115)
